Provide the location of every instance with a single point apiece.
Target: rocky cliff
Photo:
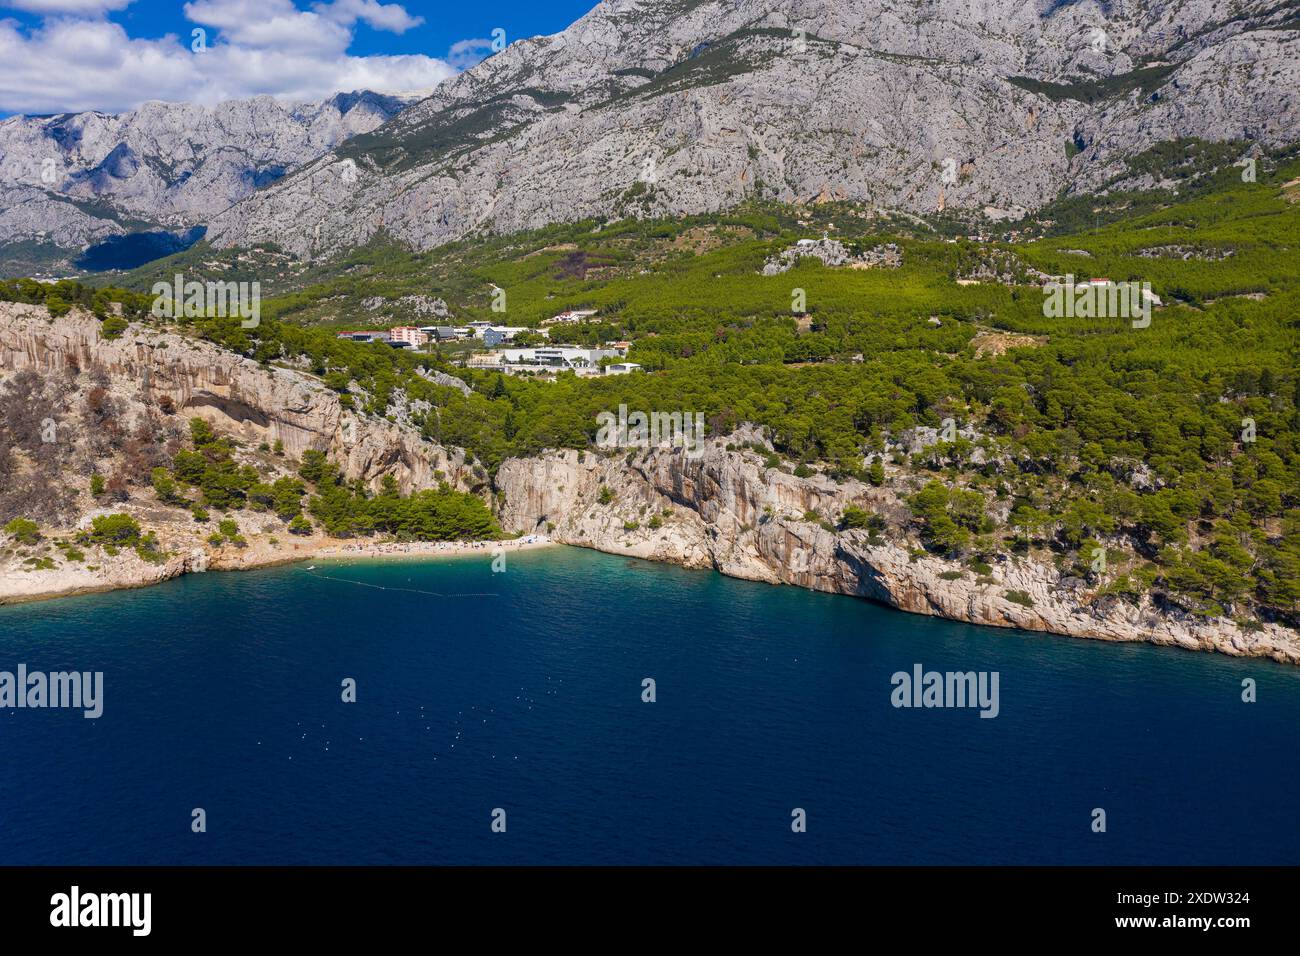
(646, 107)
(256, 403)
(725, 510)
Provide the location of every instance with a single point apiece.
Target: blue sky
(111, 55)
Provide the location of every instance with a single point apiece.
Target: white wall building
(557, 356)
(571, 315)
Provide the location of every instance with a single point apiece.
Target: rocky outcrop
(417, 305)
(110, 573)
(1185, 253)
(253, 402)
(442, 378)
(651, 108)
(833, 253)
(725, 510)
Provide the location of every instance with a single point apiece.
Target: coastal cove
(523, 691)
(733, 505)
(818, 433)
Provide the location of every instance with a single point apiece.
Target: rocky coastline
(725, 509)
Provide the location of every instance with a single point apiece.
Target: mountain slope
(692, 106)
(78, 178)
(1104, 477)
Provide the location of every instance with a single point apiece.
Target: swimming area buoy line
(384, 587)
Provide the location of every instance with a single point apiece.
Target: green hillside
(1178, 439)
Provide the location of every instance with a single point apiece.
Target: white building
(557, 357)
(622, 368)
(571, 315)
(495, 335)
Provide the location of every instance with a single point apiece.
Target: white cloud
(271, 24)
(382, 16)
(466, 53)
(73, 63)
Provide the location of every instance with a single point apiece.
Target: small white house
(557, 356)
(571, 315)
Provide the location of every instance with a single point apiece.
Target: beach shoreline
(74, 581)
(432, 549)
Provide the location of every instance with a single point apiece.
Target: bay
(522, 691)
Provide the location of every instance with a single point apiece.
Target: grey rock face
(78, 178)
(30, 213)
(442, 378)
(727, 511)
(421, 305)
(237, 395)
(833, 253)
(669, 108)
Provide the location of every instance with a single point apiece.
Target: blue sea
(521, 692)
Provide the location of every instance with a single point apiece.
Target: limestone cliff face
(724, 510)
(253, 402)
(652, 108)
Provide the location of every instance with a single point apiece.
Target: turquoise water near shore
(523, 691)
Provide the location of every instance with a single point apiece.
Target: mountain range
(75, 179)
(676, 107)
(688, 106)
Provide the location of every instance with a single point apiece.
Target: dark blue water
(222, 691)
(134, 249)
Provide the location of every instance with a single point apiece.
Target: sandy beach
(125, 570)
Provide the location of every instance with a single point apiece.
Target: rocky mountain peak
(689, 106)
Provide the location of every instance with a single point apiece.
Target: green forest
(343, 509)
(1181, 437)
